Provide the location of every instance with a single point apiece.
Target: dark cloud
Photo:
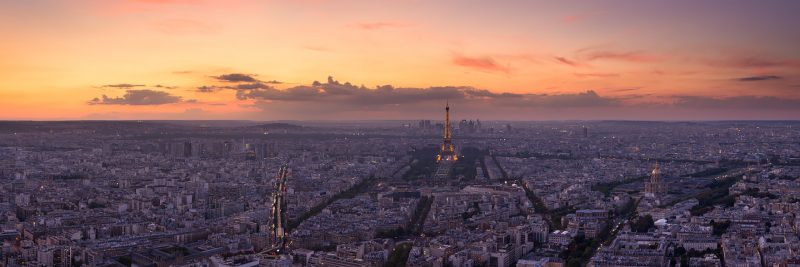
(130, 86)
(207, 89)
(122, 85)
(250, 86)
(237, 78)
(138, 97)
(241, 86)
(332, 99)
(342, 100)
(244, 82)
(759, 78)
(347, 95)
(164, 86)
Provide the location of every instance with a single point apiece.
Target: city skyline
(399, 133)
(399, 60)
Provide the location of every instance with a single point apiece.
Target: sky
(399, 59)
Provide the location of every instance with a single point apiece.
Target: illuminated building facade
(655, 188)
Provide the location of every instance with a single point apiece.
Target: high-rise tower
(448, 151)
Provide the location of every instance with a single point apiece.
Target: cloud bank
(236, 78)
(138, 98)
(346, 94)
(337, 100)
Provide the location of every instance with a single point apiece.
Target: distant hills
(9, 127)
(277, 126)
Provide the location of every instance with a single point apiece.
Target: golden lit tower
(448, 151)
(655, 188)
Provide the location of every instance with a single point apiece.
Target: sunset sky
(399, 59)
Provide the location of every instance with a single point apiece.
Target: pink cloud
(634, 56)
(574, 18)
(567, 62)
(485, 63)
(520, 57)
(596, 75)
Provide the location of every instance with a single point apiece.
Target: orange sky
(553, 59)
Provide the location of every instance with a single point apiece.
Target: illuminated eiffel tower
(448, 151)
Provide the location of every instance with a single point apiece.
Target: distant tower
(585, 131)
(655, 188)
(448, 152)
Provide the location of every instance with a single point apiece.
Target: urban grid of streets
(604, 193)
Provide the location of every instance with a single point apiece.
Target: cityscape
(391, 133)
(432, 193)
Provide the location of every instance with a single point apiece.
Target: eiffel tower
(447, 151)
